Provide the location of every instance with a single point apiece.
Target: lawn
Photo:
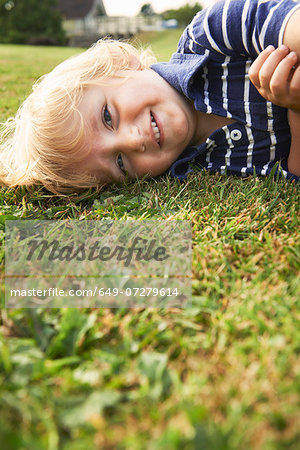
(221, 374)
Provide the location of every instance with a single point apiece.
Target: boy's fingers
(276, 76)
(257, 65)
(282, 75)
(270, 65)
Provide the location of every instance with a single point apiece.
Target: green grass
(20, 67)
(223, 374)
(163, 44)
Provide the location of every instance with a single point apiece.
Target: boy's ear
(132, 60)
(135, 63)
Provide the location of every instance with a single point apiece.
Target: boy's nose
(132, 139)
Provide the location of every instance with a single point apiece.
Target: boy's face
(135, 126)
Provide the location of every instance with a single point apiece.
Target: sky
(133, 7)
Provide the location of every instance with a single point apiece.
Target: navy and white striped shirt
(211, 68)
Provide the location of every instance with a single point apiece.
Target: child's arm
(276, 76)
(294, 155)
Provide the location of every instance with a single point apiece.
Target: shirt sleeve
(238, 27)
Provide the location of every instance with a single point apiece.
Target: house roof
(78, 9)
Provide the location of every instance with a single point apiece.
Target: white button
(236, 135)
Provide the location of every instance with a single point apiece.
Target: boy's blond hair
(43, 143)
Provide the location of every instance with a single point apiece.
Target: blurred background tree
(147, 10)
(31, 22)
(183, 15)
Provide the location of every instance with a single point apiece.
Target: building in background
(81, 20)
(86, 21)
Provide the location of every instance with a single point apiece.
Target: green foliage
(30, 21)
(183, 15)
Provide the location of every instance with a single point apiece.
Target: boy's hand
(276, 76)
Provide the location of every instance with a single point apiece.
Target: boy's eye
(107, 117)
(120, 163)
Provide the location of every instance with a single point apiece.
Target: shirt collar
(179, 71)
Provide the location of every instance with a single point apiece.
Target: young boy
(106, 115)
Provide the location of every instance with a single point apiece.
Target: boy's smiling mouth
(155, 130)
